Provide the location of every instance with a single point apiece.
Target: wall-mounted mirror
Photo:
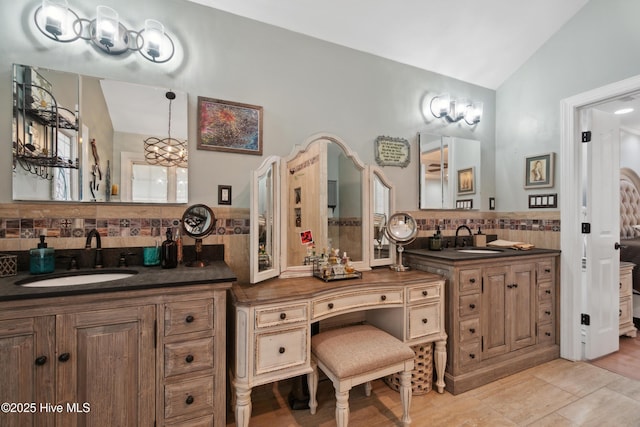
(81, 138)
(449, 173)
(382, 207)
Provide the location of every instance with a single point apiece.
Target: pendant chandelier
(166, 151)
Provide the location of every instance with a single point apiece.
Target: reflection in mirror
(441, 158)
(264, 254)
(81, 138)
(382, 205)
(198, 222)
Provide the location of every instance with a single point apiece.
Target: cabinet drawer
(188, 356)
(545, 313)
(194, 422)
(469, 305)
(188, 316)
(545, 292)
(424, 293)
(469, 330)
(277, 316)
(546, 270)
(424, 320)
(626, 285)
(626, 310)
(469, 354)
(356, 300)
(280, 350)
(546, 334)
(190, 396)
(470, 280)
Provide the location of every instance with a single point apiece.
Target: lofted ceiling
(481, 42)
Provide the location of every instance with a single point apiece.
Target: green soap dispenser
(42, 259)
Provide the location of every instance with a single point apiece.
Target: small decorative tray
(330, 272)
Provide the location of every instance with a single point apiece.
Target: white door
(601, 163)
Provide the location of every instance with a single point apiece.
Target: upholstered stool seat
(357, 355)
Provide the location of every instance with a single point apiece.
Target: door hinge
(586, 136)
(585, 319)
(586, 227)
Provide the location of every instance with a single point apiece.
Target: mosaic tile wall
(490, 224)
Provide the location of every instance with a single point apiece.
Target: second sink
(76, 278)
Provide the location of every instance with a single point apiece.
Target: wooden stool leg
(405, 396)
(312, 380)
(342, 408)
(367, 388)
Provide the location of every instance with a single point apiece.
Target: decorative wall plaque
(392, 151)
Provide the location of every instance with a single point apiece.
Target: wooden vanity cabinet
(138, 358)
(626, 300)
(500, 315)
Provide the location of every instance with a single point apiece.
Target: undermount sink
(76, 278)
(479, 251)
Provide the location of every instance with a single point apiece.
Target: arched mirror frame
(376, 234)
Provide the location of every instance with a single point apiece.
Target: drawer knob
(547, 270)
(548, 334)
(383, 297)
(189, 319)
(330, 305)
(472, 355)
(425, 293)
(472, 280)
(548, 292)
(620, 285)
(472, 306)
(472, 330)
(64, 357)
(619, 313)
(425, 321)
(283, 316)
(189, 400)
(189, 358)
(41, 360)
(547, 312)
(281, 350)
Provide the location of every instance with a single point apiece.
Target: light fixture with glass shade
(166, 151)
(57, 21)
(454, 110)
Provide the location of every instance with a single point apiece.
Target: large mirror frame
(382, 193)
(80, 138)
(281, 208)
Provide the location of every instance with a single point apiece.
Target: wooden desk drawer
(546, 269)
(188, 316)
(469, 354)
(188, 356)
(280, 350)
(189, 396)
(358, 300)
(545, 313)
(424, 293)
(469, 330)
(626, 309)
(277, 316)
(423, 320)
(545, 292)
(470, 280)
(206, 421)
(469, 305)
(546, 334)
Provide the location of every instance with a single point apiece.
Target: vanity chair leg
(405, 395)
(312, 381)
(342, 408)
(367, 388)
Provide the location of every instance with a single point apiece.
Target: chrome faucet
(458, 231)
(98, 260)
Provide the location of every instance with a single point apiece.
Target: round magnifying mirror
(198, 222)
(402, 230)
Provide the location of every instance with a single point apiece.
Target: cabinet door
(494, 311)
(521, 313)
(26, 369)
(106, 359)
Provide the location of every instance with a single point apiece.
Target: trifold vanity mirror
(449, 173)
(81, 138)
(320, 197)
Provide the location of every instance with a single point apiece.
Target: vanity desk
(273, 322)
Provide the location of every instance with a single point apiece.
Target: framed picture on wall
(538, 171)
(229, 126)
(466, 181)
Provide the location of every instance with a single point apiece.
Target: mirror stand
(198, 222)
(402, 230)
(198, 262)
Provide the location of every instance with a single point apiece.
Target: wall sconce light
(454, 110)
(57, 21)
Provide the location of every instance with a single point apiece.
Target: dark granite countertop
(146, 278)
(453, 255)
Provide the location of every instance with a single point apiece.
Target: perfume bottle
(169, 252)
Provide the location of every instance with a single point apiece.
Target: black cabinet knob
(64, 357)
(283, 316)
(472, 356)
(330, 305)
(425, 321)
(472, 330)
(548, 334)
(472, 306)
(548, 292)
(189, 358)
(189, 400)
(189, 319)
(472, 280)
(41, 360)
(425, 293)
(383, 297)
(547, 270)
(281, 350)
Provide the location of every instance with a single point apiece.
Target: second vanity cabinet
(137, 358)
(500, 314)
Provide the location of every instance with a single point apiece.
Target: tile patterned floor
(558, 393)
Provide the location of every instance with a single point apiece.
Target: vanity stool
(355, 355)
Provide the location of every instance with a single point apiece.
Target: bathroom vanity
(501, 312)
(146, 350)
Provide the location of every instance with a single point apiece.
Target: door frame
(572, 277)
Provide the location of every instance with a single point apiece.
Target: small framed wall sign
(392, 151)
(224, 194)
